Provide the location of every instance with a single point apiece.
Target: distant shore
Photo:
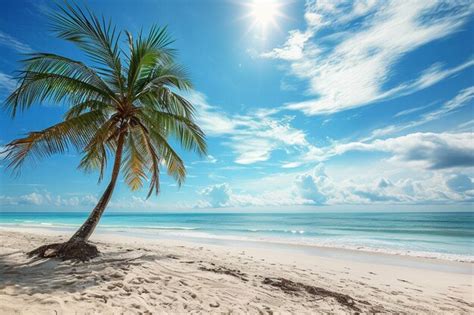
(179, 276)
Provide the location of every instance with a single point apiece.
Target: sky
(307, 106)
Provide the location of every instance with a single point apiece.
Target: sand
(147, 276)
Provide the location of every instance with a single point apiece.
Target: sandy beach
(147, 276)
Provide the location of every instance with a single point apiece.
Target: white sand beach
(146, 276)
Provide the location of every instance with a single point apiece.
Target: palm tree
(124, 106)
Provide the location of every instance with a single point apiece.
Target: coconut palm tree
(124, 106)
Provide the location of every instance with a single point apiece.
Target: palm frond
(40, 86)
(134, 166)
(154, 167)
(90, 105)
(52, 63)
(56, 139)
(96, 151)
(96, 37)
(147, 53)
(168, 156)
(168, 74)
(165, 100)
(189, 135)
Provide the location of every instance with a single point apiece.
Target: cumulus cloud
(460, 183)
(222, 196)
(428, 150)
(47, 199)
(252, 137)
(419, 150)
(217, 195)
(351, 71)
(307, 186)
(316, 188)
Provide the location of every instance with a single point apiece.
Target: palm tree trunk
(85, 231)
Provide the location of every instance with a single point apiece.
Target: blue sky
(316, 105)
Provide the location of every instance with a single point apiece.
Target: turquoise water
(429, 234)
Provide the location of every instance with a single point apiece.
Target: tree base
(78, 250)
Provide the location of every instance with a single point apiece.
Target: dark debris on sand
(226, 271)
(292, 287)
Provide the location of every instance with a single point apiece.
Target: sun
(264, 11)
(264, 14)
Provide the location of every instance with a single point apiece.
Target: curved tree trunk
(85, 231)
(76, 247)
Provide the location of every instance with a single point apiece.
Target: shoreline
(221, 278)
(397, 257)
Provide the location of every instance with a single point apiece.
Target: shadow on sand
(24, 275)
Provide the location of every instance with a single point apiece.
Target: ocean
(447, 235)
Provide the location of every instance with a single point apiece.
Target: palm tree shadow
(23, 275)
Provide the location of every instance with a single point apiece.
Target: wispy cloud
(208, 160)
(352, 71)
(7, 82)
(13, 43)
(466, 126)
(463, 98)
(253, 136)
(411, 110)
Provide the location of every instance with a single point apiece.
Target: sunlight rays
(264, 15)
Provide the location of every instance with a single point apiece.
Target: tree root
(77, 250)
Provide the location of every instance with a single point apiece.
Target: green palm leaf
(96, 37)
(56, 139)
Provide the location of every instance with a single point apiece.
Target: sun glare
(264, 14)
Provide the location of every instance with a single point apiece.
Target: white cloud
(460, 183)
(209, 160)
(217, 195)
(293, 48)
(13, 43)
(224, 197)
(47, 199)
(466, 126)
(213, 122)
(252, 137)
(418, 150)
(354, 71)
(33, 198)
(308, 188)
(427, 150)
(133, 203)
(316, 188)
(411, 111)
(461, 99)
